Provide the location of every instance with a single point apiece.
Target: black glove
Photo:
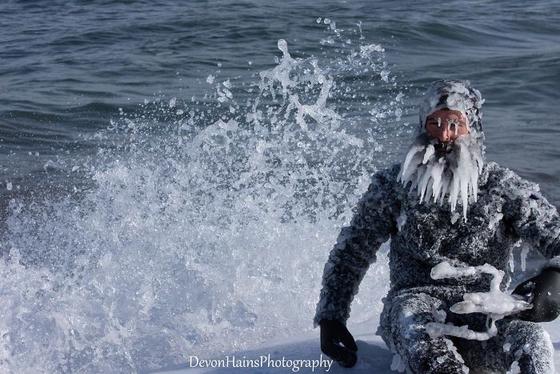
(543, 291)
(332, 334)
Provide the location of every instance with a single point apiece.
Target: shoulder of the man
(389, 174)
(384, 181)
(507, 181)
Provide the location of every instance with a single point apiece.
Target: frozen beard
(438, 173)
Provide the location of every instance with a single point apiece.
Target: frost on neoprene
(424, 233)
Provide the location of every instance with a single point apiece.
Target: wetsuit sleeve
(532, 217)
(373, 223)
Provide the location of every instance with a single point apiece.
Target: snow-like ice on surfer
(495, 303)
(414, 204)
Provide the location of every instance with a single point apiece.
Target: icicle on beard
(435, 170)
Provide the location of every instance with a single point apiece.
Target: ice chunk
(401, 220)
(435, 329)
(494, 303)
(454, 217)
(430, 150)
(514, 368)
(397, 364)
(453, 349)
(446, 270)
(524, 253)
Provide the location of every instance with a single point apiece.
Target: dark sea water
(153, 147)
(67, 66)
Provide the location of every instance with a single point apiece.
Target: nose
(445, 135)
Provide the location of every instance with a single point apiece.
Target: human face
(446, 125)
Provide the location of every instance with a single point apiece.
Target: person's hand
(543, 291)
(333, 334)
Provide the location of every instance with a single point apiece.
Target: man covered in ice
(445, 205)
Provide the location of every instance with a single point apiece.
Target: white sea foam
(203, 232)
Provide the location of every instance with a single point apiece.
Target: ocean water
(173, 174)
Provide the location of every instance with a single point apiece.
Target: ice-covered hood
(455, 95)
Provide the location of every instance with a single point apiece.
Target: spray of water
(208, 221)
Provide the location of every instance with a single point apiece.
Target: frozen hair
(454, 95)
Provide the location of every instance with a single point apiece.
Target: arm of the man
(373, 223)
(532, 217)
(536, 221)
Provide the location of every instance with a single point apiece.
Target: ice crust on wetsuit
(425, 232)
